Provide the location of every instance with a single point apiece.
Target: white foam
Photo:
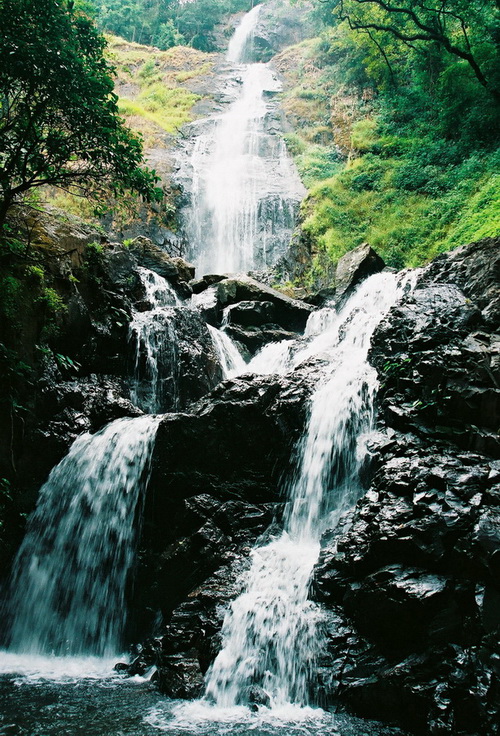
(37, 668)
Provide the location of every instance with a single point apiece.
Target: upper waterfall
(244, 189)
(241, 41)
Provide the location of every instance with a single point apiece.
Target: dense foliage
(466, 29)
(167, 23)
(59, 121)
(397, 139)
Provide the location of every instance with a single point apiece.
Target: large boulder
(348, 273)
(176, 270)
(355, 266)
(291, 314)
(187, 365)
(215, 486)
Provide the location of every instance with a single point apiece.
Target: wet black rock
(355, 266)
(180, 676)
(174, 269)
(216, 486)
(291, 314)
(187, 363)
(411, 576)
(250, 313)
(254, 338)
(350, 270)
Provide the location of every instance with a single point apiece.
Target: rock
(276, 31)
(350, 270)
(214, 488)
(439, 367)
(250, 313)
(65, 409)
(174, 269)
(199, 285)
(256, 696)
(291, 314)
(412, 573)
(254, 338)
(355, 266)
(187, 363)
(475, 269)
(180, 677)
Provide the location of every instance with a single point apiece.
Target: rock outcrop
(216, 485)
(252, 313)
(411, 578)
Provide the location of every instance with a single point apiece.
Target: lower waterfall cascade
(70, 575)
(270, 635)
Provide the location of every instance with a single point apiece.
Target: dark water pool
(54, 696)
(124, 708)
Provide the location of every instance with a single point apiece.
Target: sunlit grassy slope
(406, 191)
(155, 87)
(156, 96)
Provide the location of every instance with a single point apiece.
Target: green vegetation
(59, 121)
(169, 108)
(153, 95)
(397, 140)
(167, 23)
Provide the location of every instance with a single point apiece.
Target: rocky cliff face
(408, 581)
(67, 362)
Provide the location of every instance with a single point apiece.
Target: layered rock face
(411, 581)
(80, 361)
(216, 485)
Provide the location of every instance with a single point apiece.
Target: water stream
(69, 578)
(270, 635)
(154, 341)
(244, 187)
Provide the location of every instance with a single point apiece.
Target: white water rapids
(154, 342)
(70, 574)
(244, 186)
(270, 634)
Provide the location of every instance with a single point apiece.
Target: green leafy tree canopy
(467, 29)
(59, 120)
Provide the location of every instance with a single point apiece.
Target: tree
(59, 121)
(467, 29)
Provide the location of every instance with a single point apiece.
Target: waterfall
(153, 339)
(244, 187)
(240, 44)
(270, 635)
(70, 575)
(229, 356)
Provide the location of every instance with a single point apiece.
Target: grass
(154, 86)
(155, 99)
(408, 193)
(167, 108)
(371, 200)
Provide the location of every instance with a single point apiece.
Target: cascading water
(244, 187)
(153, 339)
(270, 634)
(229, 356)
(70, 575)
